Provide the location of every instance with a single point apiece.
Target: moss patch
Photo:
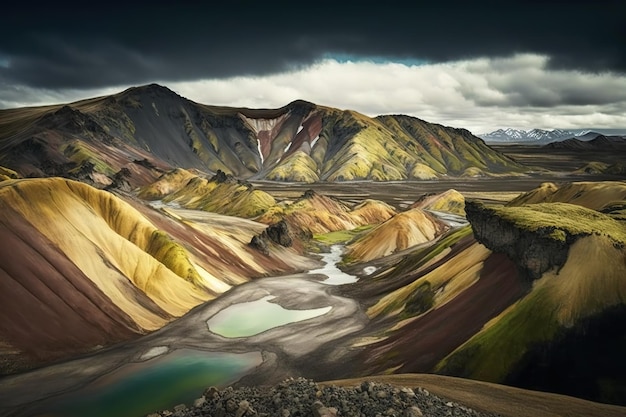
(560, 220)
(173, 256)
(492, 353)
(341, 236)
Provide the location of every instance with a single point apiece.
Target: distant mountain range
(143, 131)
(542, 136)
(617, 143)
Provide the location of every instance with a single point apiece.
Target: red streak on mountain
(49, 308)
(420, 345)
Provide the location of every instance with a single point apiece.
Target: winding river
(260, 330)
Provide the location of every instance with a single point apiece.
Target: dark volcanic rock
(301, 397)
(221, 177)
(279, 233)
(259, 244)
(534, 252)
(120, 180)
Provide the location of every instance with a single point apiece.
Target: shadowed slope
(576, 258)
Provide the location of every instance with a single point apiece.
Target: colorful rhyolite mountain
(134, 136)
(81, 268)
(533, 294)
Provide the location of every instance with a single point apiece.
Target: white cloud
(480, 95)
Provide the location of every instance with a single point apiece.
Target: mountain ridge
(300, 141)
(543, 136)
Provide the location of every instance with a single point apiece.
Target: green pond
(141, 388)
(254, 317)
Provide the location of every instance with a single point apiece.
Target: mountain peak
(150, 90)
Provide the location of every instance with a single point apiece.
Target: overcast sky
(477, 65)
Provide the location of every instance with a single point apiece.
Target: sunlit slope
(450, 201)
(400, 232)
(146, 130)
(87, 268)
(7, 174)
(593, 195)
(221, 194)
(575, 257)
(111, 243)
(446, 150)
(82, 268)
(431, 301)
(315, 214)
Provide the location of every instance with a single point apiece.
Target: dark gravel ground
(304, 398)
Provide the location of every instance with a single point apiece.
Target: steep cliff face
(535, 252)
(575, 259)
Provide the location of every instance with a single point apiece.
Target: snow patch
(287, 147)
(300, 129)
(314, 141)
(258, 145)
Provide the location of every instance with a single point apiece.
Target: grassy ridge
(560, 220)
(591, 281)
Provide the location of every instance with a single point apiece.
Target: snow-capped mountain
(533, 135)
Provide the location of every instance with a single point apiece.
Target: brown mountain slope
(400, 232)
(493, 398)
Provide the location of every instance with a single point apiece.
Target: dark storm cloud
(113, 44)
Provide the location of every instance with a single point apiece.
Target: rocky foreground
(302, 397)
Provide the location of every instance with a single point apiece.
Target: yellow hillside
(443, 283)
(112, 244)
(318, 214)
(225, 197)
(402, 231)
(450, 201)
(593, 195)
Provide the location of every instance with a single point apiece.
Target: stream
(260, 329)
